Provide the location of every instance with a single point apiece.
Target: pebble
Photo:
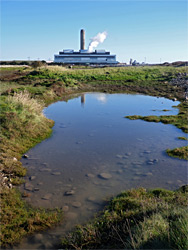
(91, 198)
(119, 156)
(105, 176)
(36, 189)
(40, 183)
(71, 192)
(28, 187)
(150, 163)
(63, 126)
(128, 154)
(31, 178)
(136, 178)
(47, 196)
(37, 238)
(147, 152)
(169, 182)
(125, 157)
(90, 175)
(45, 169)
(25, 156)
(14, 159)
(65, 208)
(76, 204)
(79, 142)
(149, 174)
(56, 173)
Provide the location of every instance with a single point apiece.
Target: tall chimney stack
(82, 39)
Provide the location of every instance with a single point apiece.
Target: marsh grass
(136, 219)
(18, 219)
(22, 126)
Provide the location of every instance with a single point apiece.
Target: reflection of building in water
(83, 99)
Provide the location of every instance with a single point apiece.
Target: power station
(84, 56)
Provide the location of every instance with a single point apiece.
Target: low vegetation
(18, 219)
(181, 153)
(24, 93)
(137, 219)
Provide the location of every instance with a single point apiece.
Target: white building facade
(85, 57)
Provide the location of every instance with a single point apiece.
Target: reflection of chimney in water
(82, 99)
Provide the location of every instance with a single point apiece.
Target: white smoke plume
(99, 38)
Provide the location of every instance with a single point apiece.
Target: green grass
(136, 219)
(181, 153)
(22, 126)
(18, 219)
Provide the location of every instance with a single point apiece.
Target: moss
(181, 153)
(183, 138)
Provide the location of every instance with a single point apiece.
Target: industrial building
(83, 56)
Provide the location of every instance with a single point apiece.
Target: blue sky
(143, 30)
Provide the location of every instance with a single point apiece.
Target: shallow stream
(95, 152)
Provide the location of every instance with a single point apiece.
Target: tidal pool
(95, 152)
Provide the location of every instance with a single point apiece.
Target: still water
(95, 152)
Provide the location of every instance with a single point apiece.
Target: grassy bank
(25, 92)
(22, 126)
(137, 219)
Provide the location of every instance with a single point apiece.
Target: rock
(14, 159)
(56, 173)
(71, 192)
(28, 187)
(149, 174)
(90, 175)
(31, 178)
(169, 182)
(128, 153)
(136, 178)
(105, 176)
(150, 163)
(47, 196)
(79, 142)
(76, 204)
(36, 189)
(40, 183)
(91, 198)
(119, 156)
(63, 126)
(147, 152)
(37, 238)
(25, 156)
(45, 169)
(174, 99)
(65, 208)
